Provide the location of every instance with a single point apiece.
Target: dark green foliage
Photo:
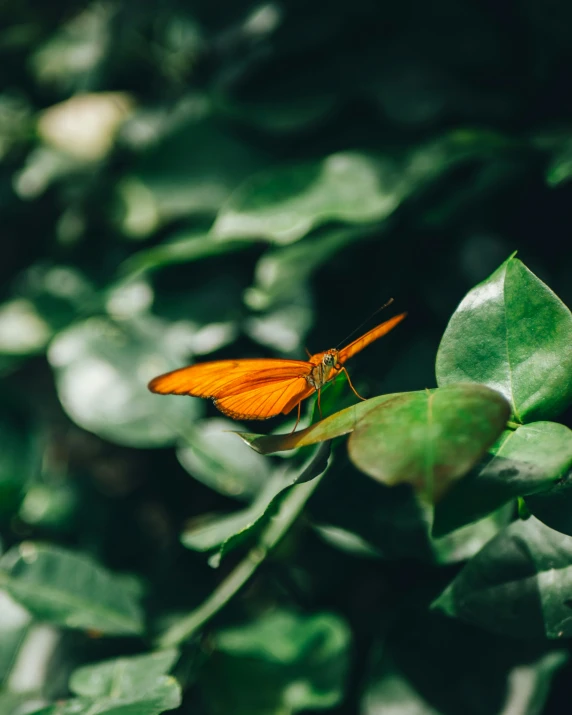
(189, 181)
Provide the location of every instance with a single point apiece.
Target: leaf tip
(249, 438)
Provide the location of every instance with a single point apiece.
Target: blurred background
(183, 181)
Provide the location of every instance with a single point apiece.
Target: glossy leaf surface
(212, 454)
(518, 585)
(102, 369)
(528, 460)
(71, 590)
(123, 677)
(428, 439)
(286, 203)
(166, 695)
(554, 507)
(335, 425)
(512, 333)
(393, 522)
(422, 673)
(259, 661)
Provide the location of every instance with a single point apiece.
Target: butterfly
(259, 388)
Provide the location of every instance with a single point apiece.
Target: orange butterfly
(259, 388)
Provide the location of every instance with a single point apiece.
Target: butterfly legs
(300, 408)
(298, 418)
(356, 393)
(319, 390)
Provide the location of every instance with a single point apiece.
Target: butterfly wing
(263, 400)
(243, 389)
(375, 333)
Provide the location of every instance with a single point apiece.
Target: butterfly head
(330, 359)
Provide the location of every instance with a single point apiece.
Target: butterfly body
(259, 388)
(325, 368)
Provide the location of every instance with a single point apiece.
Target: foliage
(188, 181)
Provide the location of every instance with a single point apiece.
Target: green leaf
(136, 685)
(209, 531)
(283, 327)
(183, 247)
(71, 590)
(365, 516)
(20, 457)
(524, 461)
(559, 146)
(432, 665)
(102, 369)
(428, 439)
(53, 506)
(48, 298)
(280, 664)
(212, 454)
(335, 425)
(347, 541)
(554, 507)
(391, 523)
(518, 585)
(14, 624)
(14, 703)
(512, 333)
(284, 103)
(23, 331)
(55, 59)
(282, 271)
(284, 204)
(231, 530)
(123, 677)
(290, 506)
(464, 542)
(192, 171)
(165, 695)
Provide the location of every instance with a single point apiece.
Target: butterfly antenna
(360, 326)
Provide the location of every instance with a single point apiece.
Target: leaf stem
(290, 509)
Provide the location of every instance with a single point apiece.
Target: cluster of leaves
(193, 180)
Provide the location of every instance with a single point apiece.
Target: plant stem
(293, 504)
